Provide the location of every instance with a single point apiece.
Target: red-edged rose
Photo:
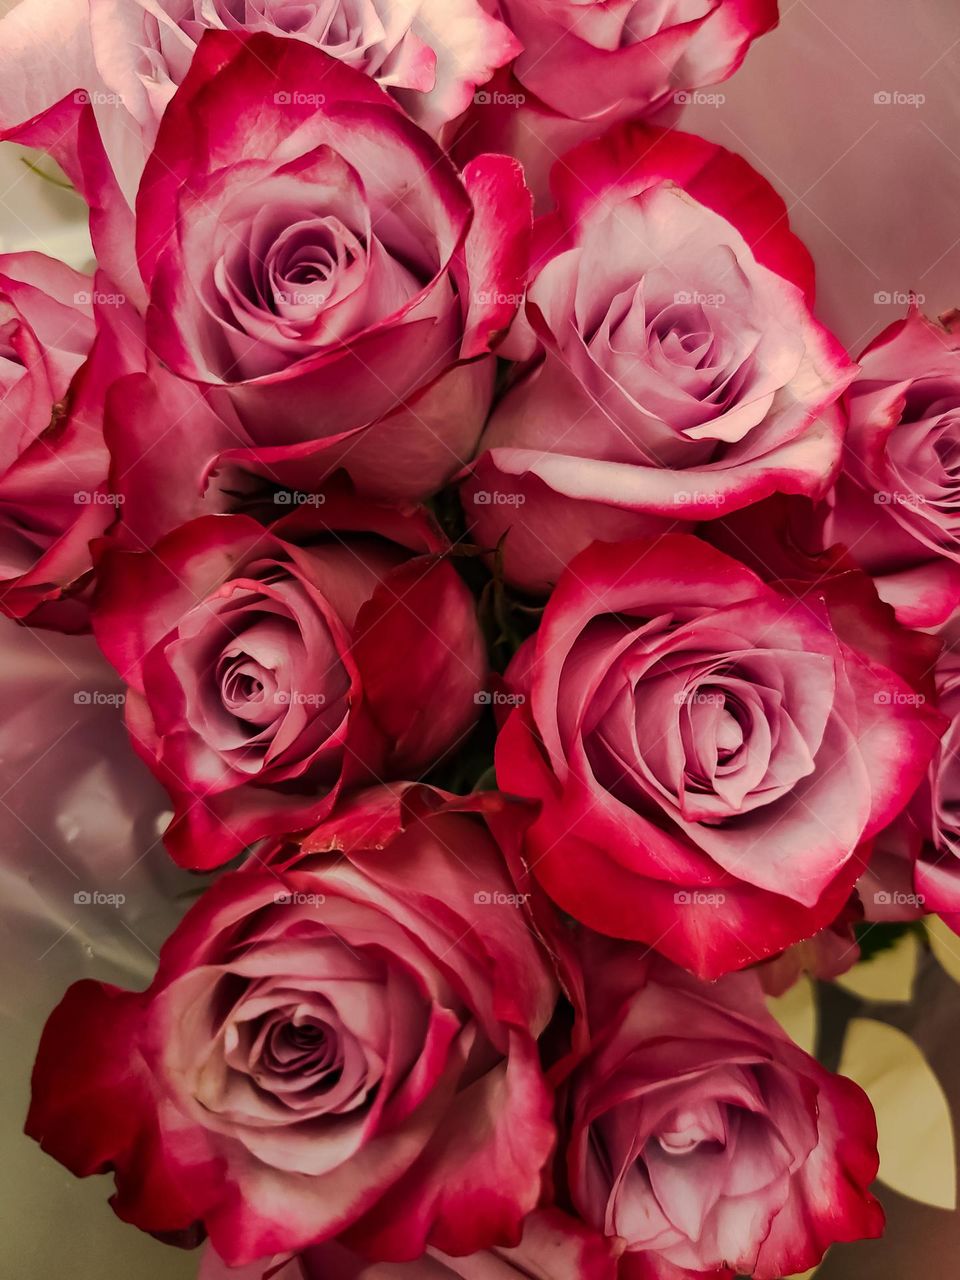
(554, 1247)
(707, 1143)
(343, 1044)
(313, 259)
(897, 502)
(63, 337)
(708, 753)
(269, 668)
(678, 372)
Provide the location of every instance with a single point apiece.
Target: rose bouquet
(541, 625)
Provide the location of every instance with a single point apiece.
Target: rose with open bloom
(708, 1143)
(708, 754)
(554, 1247)
(586, 66)
(343, 1044)
(262, 663)
(897, 502)
(310, 258)
(130, 58)
(57, 355)
(678, 373)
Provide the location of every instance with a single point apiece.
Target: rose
(929, 834)
(57, 355)
(342, 1042)
(619, 61)
(128, 60)
(708, 1142)
(554, 1247)
(898, 497)
(262, 663)
(708, 753)
(585, 67)
(322, 269)
(429, 55)
(311, 258)
(682, 375)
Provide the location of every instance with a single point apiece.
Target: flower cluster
(515, 582)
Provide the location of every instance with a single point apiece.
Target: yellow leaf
(945, 945)
(796, 1011)
(913, 1117)
(889, 975)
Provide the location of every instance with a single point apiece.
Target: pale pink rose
(674, 370)
(340, 1043)
(703, 1140)
(897, 502)
(710, 756)
(58, 354)
(584, 66)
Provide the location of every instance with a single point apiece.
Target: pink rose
(262, 663)
(897, 503)
(314, 262)
(342, 1043)
(128, 58)
(554, 1247)
(931, 839)
(709, 754)
(57, 355)
(429, 54)
(676, 370)
(707, 1142)
(586, 66)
